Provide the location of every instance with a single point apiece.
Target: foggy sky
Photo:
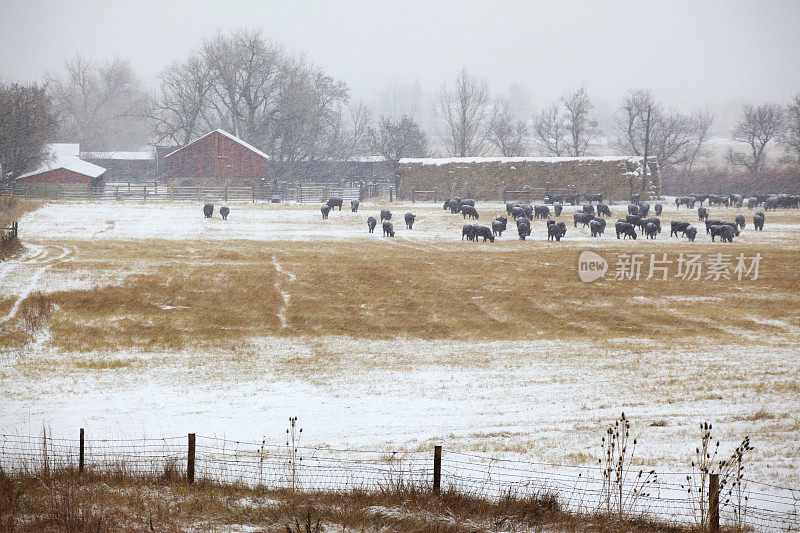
(691, 53)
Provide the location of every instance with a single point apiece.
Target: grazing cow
(710, 223)
(208, 210)
(752, 202)
(325, 210)
(386, 215)
(554, 199)
(499, 225)
(582, 218)
(651, 220)
(634, 220)
(469, 211)
(658, 208)
(224, 211)
(556, 230)
(761, 214)
(541, 211)
(523, 228)
(736, 200)
(596, 227)
(468, 231)
(733, 225)
(453, 204)
(588, 209)
(740, 221)
(688, 201)
(557, 207)
(625, 229)
(388, 229)
(644, 208)
(603, 210)
(650, 230)
(771, 203)
(371, 223)
(518, 212)
(593, 198)
(677, 226)
(698, 198)
(335, 202)
(636, 198)
(573, 198)
(509, 207)
(602, 223)
(354, 206)
(722, 231)
(528, 210)
(468, 201)
(758, 222)
(409, 217)
(483, 231)
(633, 209)
(702, 213)
(715, 199)
(690, 232)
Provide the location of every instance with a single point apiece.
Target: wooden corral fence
(533, 194)
(132, 192)
(9, 234)
(422, 196)
(320, 193)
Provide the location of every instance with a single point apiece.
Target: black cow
(651, 220)
(499, 225)
(386, 215)
(325, 210)
(702, 213)
(710, 223)
(541, 211)
(597, 227)
(690, 232)
(761, 214)
(650, 230)
(469, 211)
(603, 210)
(388, 229)
(554, 199)
(409, 217)
(658, 208)
(335, 202)
(483, 231)
(740, 221)
(677, 226)
(509, 207)
(528, 210)
(208, 210)
(468, 231)
(758, 222)
(588, 209)
(633, 209)
(556, 230)
(644, 209)
(714, 199)
(625, 229)
(224, 211)
(752, 202)
(633, 220)
(733, 225)
(699, 198)
(523, 228)
(518, 212)
(636, 198)
(688, 201)
(468, 201)
(371, 223)
(736, 200)
(593, 198)
(722, 231)
(453, 204)
(354, 206)
(573, 198)
(582, 218)
(557, 207)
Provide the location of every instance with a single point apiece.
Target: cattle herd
(592, 214)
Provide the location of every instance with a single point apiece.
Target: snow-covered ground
(546, 400)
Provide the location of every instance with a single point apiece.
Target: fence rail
(769, 507)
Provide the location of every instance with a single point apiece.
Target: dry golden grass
(173, 295)
(119, 501)
(12, 209)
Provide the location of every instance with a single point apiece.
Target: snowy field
(539, 395)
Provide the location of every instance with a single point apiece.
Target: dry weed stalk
(293, 434)
(38, 308)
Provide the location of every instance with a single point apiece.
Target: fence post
(80, 455)
(144, 194)
(190, 460)
(253, 190)
(413, 195)
(437, 469)
(15, 229)
(226, 194)
(391, 190)
(713, 503)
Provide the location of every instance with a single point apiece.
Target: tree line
(282, 103)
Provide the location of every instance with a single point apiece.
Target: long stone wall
(486, 178)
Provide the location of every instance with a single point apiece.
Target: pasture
(161, 322)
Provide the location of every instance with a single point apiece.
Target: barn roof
(65, 155)
(226, 134)
(118, 155)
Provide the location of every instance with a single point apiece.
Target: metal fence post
(190, 460)
(80, 454)
(437, 469)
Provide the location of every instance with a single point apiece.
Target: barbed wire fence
(579, 489)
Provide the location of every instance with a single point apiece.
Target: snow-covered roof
(228, 135)
(118, 155)
(448, 160)
(65, 155)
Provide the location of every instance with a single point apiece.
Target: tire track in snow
(279, 287)
(7, 266)
(32, 285)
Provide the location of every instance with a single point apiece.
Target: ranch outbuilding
(64, 166)
(216, 159)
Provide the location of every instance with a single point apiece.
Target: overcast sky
(691, 53)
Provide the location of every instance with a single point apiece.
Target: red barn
(216, 159)
(64, 166)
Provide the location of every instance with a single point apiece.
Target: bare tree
(550, 129)
(791, 136)
(465, 113)
(100, 105)
(509, 136)
(700, 132)
(27, 124)
(757, 127)
(581, 128)
(396, 140)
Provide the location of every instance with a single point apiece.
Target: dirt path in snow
(41, 256)
(279, 287)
